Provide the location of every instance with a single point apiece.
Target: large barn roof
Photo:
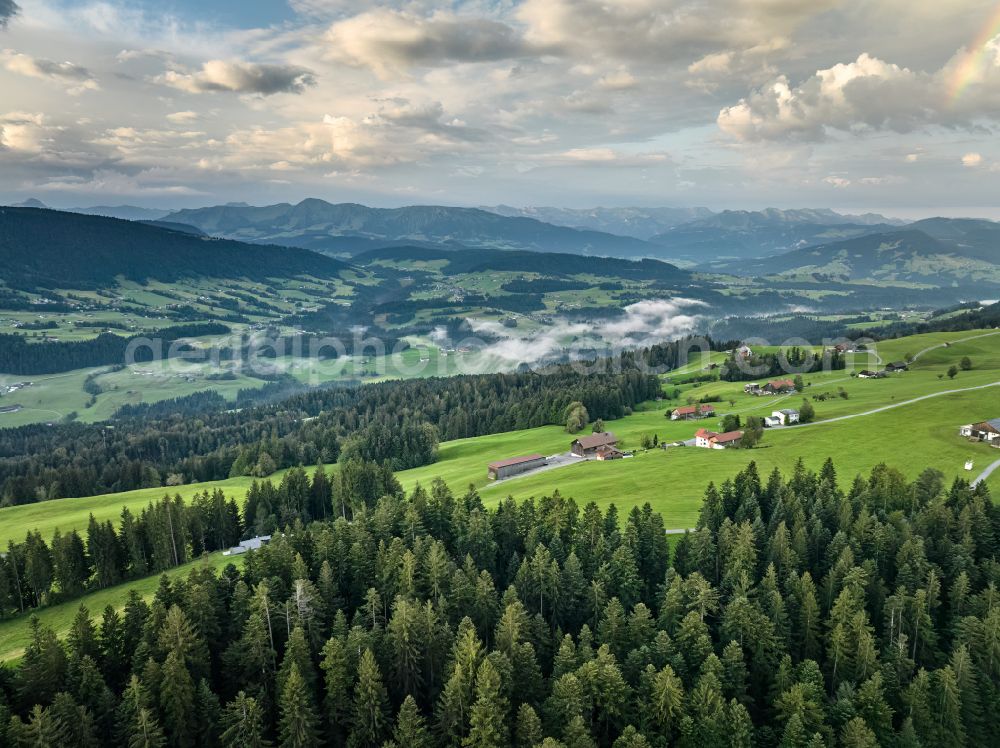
(514, 461)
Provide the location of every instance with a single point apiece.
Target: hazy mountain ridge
(908, 255)
(754, 235)
(330, 227)
(641, 223)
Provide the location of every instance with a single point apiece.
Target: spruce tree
(369, 715)
(411, 728)
(298, 727)
(488, 716)
(177, 701)
(243, 724)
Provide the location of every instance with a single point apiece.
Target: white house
(771, 421)
(786, 416)
(984, 431)
(710, 440)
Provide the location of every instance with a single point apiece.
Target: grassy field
(910, 437)
(52, 397)
(14, 632)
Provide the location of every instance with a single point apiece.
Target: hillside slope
(55, 249)
(320, 225)
(908, 256)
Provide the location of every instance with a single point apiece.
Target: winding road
(890, 407)
(930, 348)
(986, 473)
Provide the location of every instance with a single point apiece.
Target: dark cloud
(241, 77)
(8, 9)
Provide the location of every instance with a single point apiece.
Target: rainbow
(969, 68)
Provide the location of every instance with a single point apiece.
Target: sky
(857, 105)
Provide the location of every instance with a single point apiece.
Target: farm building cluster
(984, 431)
(892, 368)
(10, 389)
(602, 445)
(691, 412)
(775, 387)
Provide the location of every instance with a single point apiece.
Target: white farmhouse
(786, 416)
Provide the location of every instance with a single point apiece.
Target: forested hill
(547, 263)
(797, 615)
(54, 249)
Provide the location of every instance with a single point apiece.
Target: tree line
(19, 355)
(797, 614)
(780, 364)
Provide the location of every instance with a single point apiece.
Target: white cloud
(240, 77)
(871, 94)
(22, 131)
(77, 79)
(182, 117)
(972, 159)
(391, 41)
(619, 80)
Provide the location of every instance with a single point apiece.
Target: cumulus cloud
(390, 41)
(972, 160)
(8, 9)
(77, 78)
(871, 94)
(22, 131)
(240, 77)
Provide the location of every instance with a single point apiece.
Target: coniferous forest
(797, 614)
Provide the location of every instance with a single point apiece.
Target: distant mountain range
(750, 234)
(350, 228)
(56, 249)
(641, 223)
(732, 241)
(935, 251)
(125, 212)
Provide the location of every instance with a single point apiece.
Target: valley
(673, 481)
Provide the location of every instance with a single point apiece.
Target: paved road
(986, 473)
(888, 407)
